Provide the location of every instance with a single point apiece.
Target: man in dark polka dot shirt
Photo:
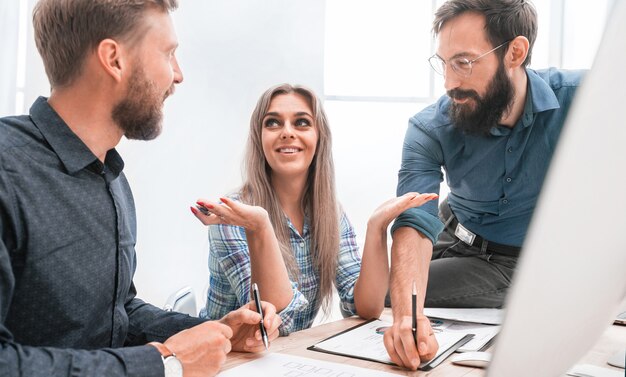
(67, 216)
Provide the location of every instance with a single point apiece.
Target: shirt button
(505, 201)
(508, 179)
(510, 150)
(301, 244)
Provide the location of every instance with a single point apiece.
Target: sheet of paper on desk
(482, 333)
(278, 364)
(480, 315)
(366, 342)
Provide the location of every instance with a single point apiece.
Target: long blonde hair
(319, 200)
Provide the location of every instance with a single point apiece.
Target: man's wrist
(400, 312)
(171, 365)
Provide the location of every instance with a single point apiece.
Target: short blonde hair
(65, 30)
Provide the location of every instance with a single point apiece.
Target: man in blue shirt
(494, 133)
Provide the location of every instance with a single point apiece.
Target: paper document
(482, 333)
(365, 341)
(480, 315)
(587, 370)
(278, 364)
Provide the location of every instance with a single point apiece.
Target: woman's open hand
(252, 218)
(392, 208)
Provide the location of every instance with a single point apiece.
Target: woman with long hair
(284, 229)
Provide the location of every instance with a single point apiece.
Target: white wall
(230, 52)
(9, 26)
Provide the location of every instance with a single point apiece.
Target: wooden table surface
(296, 343)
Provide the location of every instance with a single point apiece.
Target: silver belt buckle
(464, 234)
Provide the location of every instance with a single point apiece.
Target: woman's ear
(111, 57)
(517, 51)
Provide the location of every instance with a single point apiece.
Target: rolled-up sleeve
(421, 172)
(229, 277)
(289, 314)
(348, 267)
(229, 271)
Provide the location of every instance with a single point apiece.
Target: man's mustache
(460, 94)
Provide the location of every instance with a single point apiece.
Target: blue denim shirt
(494, 180)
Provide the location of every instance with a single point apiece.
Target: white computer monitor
(572, 273)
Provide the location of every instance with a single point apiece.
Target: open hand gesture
(392, 208)
(252, 218)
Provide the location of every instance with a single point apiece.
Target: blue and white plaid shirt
(229, 274)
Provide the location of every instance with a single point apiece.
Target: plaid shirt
(229, 274)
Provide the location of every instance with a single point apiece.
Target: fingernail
(415, 363)
(422, 347)
(193, 210)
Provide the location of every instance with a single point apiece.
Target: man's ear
(111, 57)
(517, 52)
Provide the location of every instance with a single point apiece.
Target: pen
(414, 312)
(257, 301)
(203, 209)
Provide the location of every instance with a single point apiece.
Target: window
(13, 24)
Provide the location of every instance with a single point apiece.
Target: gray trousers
(463, 276)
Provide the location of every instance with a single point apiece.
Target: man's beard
(140, 113)
(486, 112)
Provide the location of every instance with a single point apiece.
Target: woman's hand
(392, 208)
(373, 282)
(267, 267)
(252, 218)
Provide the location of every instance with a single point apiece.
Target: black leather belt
(481, 243)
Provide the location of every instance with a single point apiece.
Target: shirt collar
(305, 228)
(542, 95)
(72, 152)
(539, 97)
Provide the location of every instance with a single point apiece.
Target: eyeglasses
(462, 66)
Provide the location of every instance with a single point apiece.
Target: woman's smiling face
(289, 135)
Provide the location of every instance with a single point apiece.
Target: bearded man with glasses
(494, 133)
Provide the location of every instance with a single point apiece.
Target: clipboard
(375, 350)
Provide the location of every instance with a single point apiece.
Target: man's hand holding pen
(400, 342)
(245, 321)
(202, 349)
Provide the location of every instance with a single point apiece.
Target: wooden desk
(296, 344)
